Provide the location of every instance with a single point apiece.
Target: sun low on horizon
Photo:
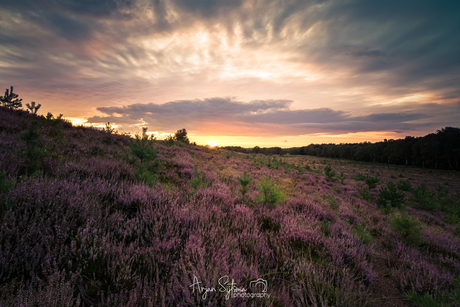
(241, 73)
(212, 144)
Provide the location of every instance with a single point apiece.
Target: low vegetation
(92, 218)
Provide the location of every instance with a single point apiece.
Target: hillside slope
(92, 218)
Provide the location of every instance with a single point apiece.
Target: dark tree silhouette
(10, 100)
(33, 108)
(181, 136)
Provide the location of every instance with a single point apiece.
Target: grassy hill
(92, 218)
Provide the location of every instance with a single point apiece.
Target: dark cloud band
(270, 117)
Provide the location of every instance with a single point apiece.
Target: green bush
(364, 193)
(313, 170)
(326, 228)
(269, 193)
(332, 202)
(408, 228)
(272, 162)
(390, 195)
(169, 141)
(35, 153)
(142, 146)
(443, 197)
(371, 181)
(359, 177)
(244, 181)
(404, 185)
(330, 173)
(423, 198)
(341, 177)
(363, 234)
(145, 174)
(229, 155)
(197, 180)
(336, 189)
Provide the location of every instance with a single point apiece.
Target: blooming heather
(85, 231)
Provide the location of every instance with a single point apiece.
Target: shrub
(408, 228)
(197, 180)
(390, 195)
(34, 154)
(142, 147)
(423, 198)
(341, 177)
(244, 181)
(371, 181)
(181, 136)
(363, 234)
(364, 193)
(330, 173)
(269, 193)
(169, 141)
(359, 177)
(404, 185)
(443, 198)
(229, 155)
(313, 170)
(272, 162)
(146, 172)
(336, 189)
(332, 202)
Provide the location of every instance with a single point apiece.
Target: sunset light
(229, 153)
(252, 72)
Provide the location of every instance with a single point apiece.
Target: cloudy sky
(239, 72)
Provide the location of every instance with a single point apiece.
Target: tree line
(439, 150)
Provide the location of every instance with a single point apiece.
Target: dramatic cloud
(225, 116)
(88, 58)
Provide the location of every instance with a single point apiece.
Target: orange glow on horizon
(250, 141)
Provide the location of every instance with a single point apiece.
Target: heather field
(93, 218)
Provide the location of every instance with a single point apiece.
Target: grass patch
(332, 202)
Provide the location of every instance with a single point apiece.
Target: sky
(269, 73)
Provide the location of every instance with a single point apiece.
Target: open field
(415, 175)
(90, 218)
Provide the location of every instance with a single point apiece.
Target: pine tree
(181, 136)
(10, 100)
(33, 108)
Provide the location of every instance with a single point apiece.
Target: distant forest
(440, 150)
